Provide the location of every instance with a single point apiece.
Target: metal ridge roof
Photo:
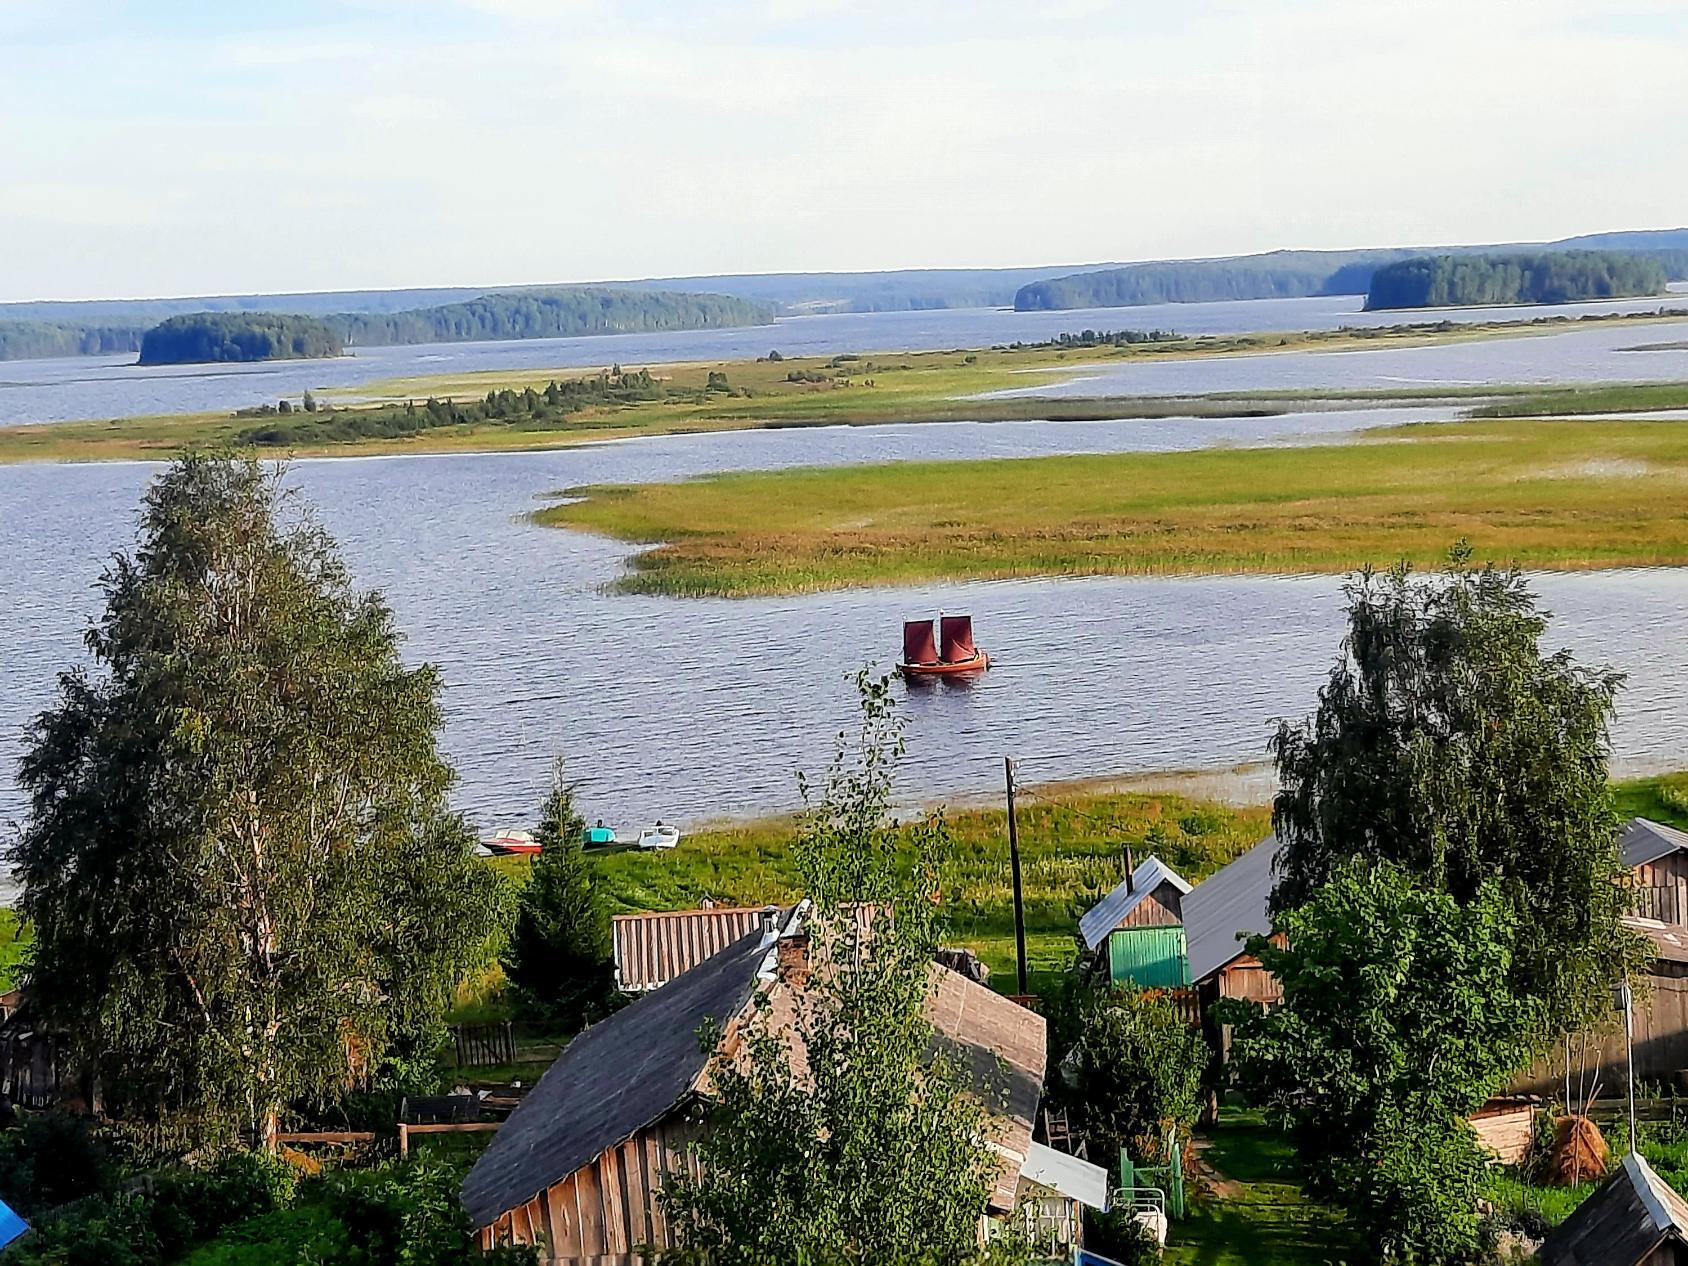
(1106, 915)
(1227, 907)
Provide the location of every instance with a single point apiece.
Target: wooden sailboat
(951, 652)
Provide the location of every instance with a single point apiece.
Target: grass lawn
(1546, 494)
(1263, 1216)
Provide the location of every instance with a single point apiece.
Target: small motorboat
(599, 835)
(950, 653)
(506, 843)
(659, 836)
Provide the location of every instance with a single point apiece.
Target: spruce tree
(558, 957)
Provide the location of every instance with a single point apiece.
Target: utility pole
(1014, 862)
(1627, 997)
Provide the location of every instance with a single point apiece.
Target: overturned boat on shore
(949, 653)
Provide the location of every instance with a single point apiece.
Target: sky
(173, 147)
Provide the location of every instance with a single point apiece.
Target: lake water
(81, 387)
(694, 710)
(1592, 354)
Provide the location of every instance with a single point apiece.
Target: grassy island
(1548, 494)
(513, 410)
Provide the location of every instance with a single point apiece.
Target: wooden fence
(484, 1045)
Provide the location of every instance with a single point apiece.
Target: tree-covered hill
(1440, 281)
(27, 340)
(237, 336)
(1275, 275)
(557, 313)
(1296, 274)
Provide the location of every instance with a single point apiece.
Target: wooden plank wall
(1661, 1048)
(1162, 908)
(1507, 1133)
(603, 1212)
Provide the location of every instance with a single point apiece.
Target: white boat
(659, 836)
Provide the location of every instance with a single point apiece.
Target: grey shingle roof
(610, 1082)
(1642, 840)
(1631, 1215)
(1103, 917)
(1227, 907)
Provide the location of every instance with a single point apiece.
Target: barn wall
(601, 1214)
(1164, 907)
(1661, 1048)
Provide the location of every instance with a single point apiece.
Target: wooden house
(1634, 1219)
(1135, 934)
(651, 949)
(1656, 857)
(1220, 914)
(578, 1167)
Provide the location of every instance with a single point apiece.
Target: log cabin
(579, 1167)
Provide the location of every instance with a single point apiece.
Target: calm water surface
(694, 710)
(113, 386)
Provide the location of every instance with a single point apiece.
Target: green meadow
(1556, 494)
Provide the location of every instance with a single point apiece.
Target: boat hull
(977, 664)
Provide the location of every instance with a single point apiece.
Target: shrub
(49, 1160)
(1121, 1237)
(1140, 1066)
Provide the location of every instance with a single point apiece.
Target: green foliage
(1120, 1237)
(1447, 743)
(1139, 1067)
(1441, 281)
(528, 408)
(1398, 1020)
(230, 336)
(875, 1152)
(1102, 338)
(244, 882)
(558, 955)
(49, 1159)
(158, 1223)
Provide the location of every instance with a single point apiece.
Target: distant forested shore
(561, 313)
(1443, 281)
(251, 336)
(1301, 274)
(31, 340)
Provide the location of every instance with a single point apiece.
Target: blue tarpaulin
(11, 1225)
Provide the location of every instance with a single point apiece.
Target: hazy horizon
(190, 148)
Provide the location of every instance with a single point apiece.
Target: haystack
(1579, 1152)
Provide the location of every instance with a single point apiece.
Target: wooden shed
(1656, 856)
(1136, 932)
(578, 1167)
(1634, 1219)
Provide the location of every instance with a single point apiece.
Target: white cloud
(482, 141)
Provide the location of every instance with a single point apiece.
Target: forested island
(560, 313)
(1444, 281)
(237, 336)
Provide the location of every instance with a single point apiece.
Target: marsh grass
(1545, 494)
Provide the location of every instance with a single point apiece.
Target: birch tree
(245, 884)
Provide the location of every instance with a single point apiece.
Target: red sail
(917, 642)
(956, 635)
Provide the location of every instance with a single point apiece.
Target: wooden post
(404, 1141)
(1014, 862)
